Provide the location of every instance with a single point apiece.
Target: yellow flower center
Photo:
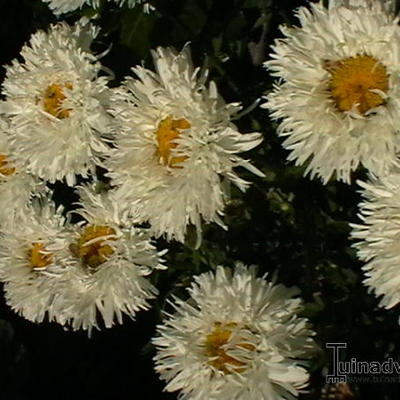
(357, 81)
(38, 256)
(216, 345)
(168, 130)
(5, 169)
(53, 99)
(92, 247)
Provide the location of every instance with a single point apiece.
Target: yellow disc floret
(360, 82)
(38, 256)
(53, 100)
(5, 169)
(92, 247)
(217, 344)
(168, 130)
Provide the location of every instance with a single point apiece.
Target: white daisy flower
(176, 145)
(338, 98)
(378, 236)
(64, 6)
(56, 103)
(33, 251)
(237, 337)
(112, 261)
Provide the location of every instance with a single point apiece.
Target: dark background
(293, 228)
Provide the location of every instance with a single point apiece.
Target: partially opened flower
(338, 98)
(34, 261)
(112, 261)
(64, 6)
(378, 237)
(237, 337)
(56, 103)
(176, 145)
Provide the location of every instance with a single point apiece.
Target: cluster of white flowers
(74, 272)
(166, 140)
(169, 147)
(337, 103)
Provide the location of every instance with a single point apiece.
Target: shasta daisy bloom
(175, 145)
(64, 6)
(112, 261)
(33, 251)
(56, 102)
(378, 237)
(237, 337)
(338, 97)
